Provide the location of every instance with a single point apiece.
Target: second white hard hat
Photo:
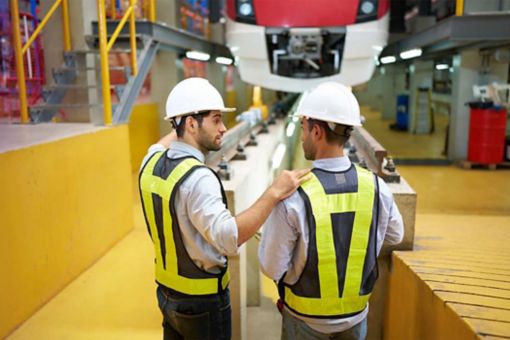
(193, 95)
(330, 102)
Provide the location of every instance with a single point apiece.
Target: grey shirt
(208, 229)
(284, 244)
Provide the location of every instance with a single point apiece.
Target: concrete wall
(63, 205)
(250, 179)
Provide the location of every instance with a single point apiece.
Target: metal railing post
(65, 24)
(132, 38)
(459, 7)
(113, 9)
(103, 54)
(20, 67)
(152, 10)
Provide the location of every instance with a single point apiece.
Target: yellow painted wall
(62, 205)
(143, 132)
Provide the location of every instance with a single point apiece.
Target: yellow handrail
(459, 8)
(20, 68)
(20, 50)
(103, 56)
(65, 23)
(113, 9)
(119, 27)
(152, 11)
(132, 39)
(106, 45)
(44, 21)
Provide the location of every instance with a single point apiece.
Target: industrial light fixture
(388, 59)
(224, 61)
(440, 67)
(415, 52)
(196, 55)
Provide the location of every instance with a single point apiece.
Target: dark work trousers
(294, 328)
(195, 317)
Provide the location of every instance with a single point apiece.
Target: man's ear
(317, 131)
(190, 122)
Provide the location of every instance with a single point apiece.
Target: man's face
(306, 137)
(211, 132)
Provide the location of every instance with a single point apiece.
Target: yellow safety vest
(341, 266)
(159, 181)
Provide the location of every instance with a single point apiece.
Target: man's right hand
(288, 182)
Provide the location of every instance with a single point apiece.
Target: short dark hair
(179, 128)
(340, 135)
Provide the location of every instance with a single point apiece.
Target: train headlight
(245, 11)
(367, 10)
(367, 7)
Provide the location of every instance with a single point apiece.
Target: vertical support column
(103, 55)
(165, 69)
(466, 73)
(65, 25)
(132, 38)
(421, 76)
(20, 68)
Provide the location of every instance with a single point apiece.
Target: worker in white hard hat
(185, 209)
(321, 243)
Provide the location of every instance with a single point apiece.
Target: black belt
(171, 293)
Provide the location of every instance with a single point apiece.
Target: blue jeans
(293, 328)
(195, 317)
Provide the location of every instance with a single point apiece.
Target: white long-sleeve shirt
(209, 230)
(284, 245)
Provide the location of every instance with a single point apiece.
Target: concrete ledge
(249, 180)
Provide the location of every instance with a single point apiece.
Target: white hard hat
(330, 102)
(193, 95)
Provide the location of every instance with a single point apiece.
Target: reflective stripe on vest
(359, 204)
(168, 265)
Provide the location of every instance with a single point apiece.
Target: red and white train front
(292, 45)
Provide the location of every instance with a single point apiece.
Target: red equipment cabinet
(487, 125)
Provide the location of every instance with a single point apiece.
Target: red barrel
(487, 127)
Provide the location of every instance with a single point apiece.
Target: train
(293, 45)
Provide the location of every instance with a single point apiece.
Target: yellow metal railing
(20, 50)
(106, 45)
(459, 7)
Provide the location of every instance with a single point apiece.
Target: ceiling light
(198, 55)
(442, 67)
(224, 61)
(388, 59)
(415, 52)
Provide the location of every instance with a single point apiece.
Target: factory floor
(115, 297)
